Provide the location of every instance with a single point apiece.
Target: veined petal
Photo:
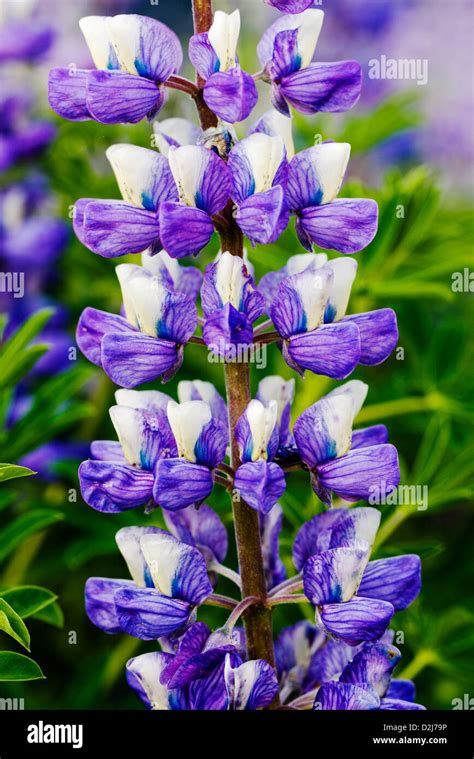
(260, 484)
(264, 216)
(228, 281)
(363, 473)
(255, 429)
(201, 177)
(343, 225)
(147, 614)
(91, 328)
(177, 569)
(202, 528)
(202, 55)
(107, 450)
(144, 176)
(226, 330)
(184, 231)
(330, 350)
(67, 93)
(145, 46)
(232, 94)
(290, 6)
(114, 97)
(270, 528)
(332, 87)
(378, 334)
(397, 580)
(133, 360)
(401, 689)
(94, 29)
(315, 175)
(100, 605)
(145, 436)
(323, 431)
(112, 487)
(179, 484)
(333, 576)
(182, 279)
(275, 388)
(315, 536)
(375, 435)
(254, 163)
(307, 26)
(345, 697)
(355, 525)
(398, 705)
(373, 667)
(252, 685)
(175, 132)
(114, 228)
(300, 301)
(143, 675)
(358, 620)
(187, 422)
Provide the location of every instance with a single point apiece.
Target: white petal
(345, 270)
(302, 261)
(187, 421)
(95, 31)
(135, 169)
(264, 154)
(276, 124)
(309, 25)
(313, 287)
(349, 567)
(275, 388)
(187, 166)
(125, 272)
(181, 131)
(124, 32)
(128, 424)
(156, 264)
(262, 421)
(224, 36)
(205, 390)
(149, 400)
(162, 554)
(356, 390)
(143, 297)
(230, 279)
(147, 668)
(336, 413)
(330, 162)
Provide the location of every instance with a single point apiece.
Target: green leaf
(27, 600)
(14, 362)
(12, 624)
(17, 667)
(24, 526)
(13, 471)
(51, 614)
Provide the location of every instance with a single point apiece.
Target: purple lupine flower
(259, 480)
(228, 90)
(308, 309)
(354, 465)
(148, 342)
(169, 580)
(174, 133)
(230, 305)
(295, 649)
(23, 39)
(286, 51)
(275, 124)
(270, 528)
(113, 228)
(201, 528)
(201, 441)
(21, 137)
(120, 474)
(275, 388)
(366, 683)
(259, 169)
(134, 56)
(315, 177)
(290, 6)
(203, 184)
(180, 279)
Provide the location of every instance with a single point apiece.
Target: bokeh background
(412, 150)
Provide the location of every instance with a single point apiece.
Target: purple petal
(178, 483)
(333, 576)
(100, 604)
(263, 216)
(91, 328)
(192, 642)
(147, 614)
(270, 528)
(378, 334)
(290, 6)
(107, 450)
(345, 697)
(376, 435)
(184, 230)
(114, 97)
(67, 93)
(215, 184)
(260, 484)
(199, 665)
(399, 705)
(113, 487)
(329, 350)
(333, 87)
(210, 693)
(201, 527)
(202, 55)
(328, 661)
(143, 675)
(315, 536)
(226, 330)
(366, 473)
(358, 620)
(397, 580)
(157, 52)
(113, 228)
(131, 360)
(401, 689)
(252, 685)
(373, 667)
(346, 225)
(211, 445)
(232, 94)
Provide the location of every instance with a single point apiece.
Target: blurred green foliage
(424, 393)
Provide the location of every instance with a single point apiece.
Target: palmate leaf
(12, 624)
(17, 667)
(13, 471)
